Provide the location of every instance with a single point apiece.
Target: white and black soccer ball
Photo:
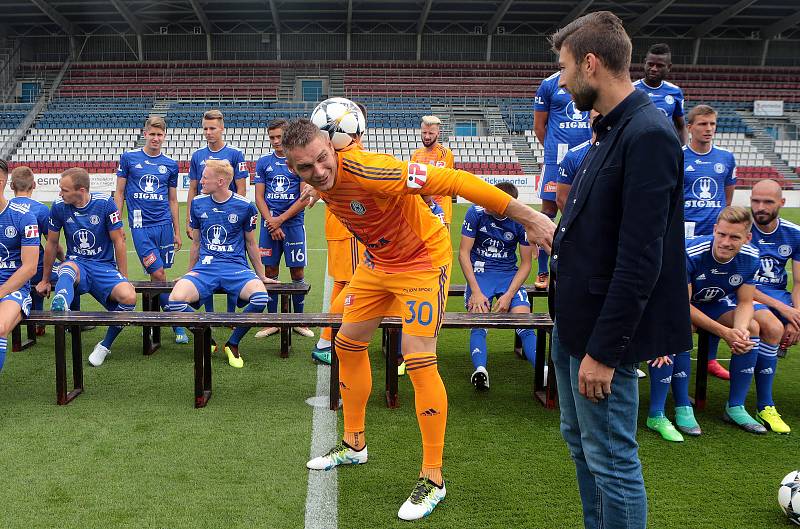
(341, 119)
(789, 496)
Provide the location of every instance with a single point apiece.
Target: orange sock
(337, 306)
(430, 398)
(355, 381)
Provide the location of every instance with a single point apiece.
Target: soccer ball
(341, 119)
(789, 496)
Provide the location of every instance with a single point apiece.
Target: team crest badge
(784, 250)
(719, 168)
(162, 169)
(669, 99)
(233, 218)
(94, 219)
(11, 232)
(358, 208)
(508, 236)
(735, 280)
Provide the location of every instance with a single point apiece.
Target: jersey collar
(778, 225)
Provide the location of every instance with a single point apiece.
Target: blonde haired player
(434, 153)
(408, 260)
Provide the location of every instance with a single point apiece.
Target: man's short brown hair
(214, 114)
(22, 178)
(300, 133)
(156, 122)
(279, 123)
(700, 110)
(600, 33)
(80, 178)
(736, 215)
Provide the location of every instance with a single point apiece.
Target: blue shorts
(715, 309)
(495, 284)
(293, 247)
(219, 275)
(98, 279)
(155, 246)
(22, 297)
(781, 295)
(546, 183)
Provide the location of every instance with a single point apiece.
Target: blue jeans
(601, 439)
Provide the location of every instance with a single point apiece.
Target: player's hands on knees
(477, 302)
(502, 304)
(738, 340)
(43, 288)
(791, 314)
(594, 379)
(661, 361)
(791, 335)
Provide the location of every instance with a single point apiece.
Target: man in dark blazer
(619, 269)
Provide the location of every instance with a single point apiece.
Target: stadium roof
(759, 19)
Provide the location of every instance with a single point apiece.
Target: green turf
(132, 452)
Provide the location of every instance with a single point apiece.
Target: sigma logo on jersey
(768, 271)
(216, 236)
(11, 232)
(735, 280)
(83, 242)
(149, 186)
(357, 207)
(578, 118)
(705, 191)
(708, 294)
(31, 231)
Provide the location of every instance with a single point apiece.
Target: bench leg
(62, 396)
(202, 366)
(392, 349)
(518, 346)
(17, 343)
(151, 336)
(701, 377)
(333, 389)
(286, 332)
(546, 393)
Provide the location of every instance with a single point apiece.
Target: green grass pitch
(132, 452)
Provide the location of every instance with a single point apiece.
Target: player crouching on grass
(223, 226)
(488, 257)
(19, 235)
(722, 272)
(407, 264)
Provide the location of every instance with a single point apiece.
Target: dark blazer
(618, 257)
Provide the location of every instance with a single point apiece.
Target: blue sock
(208, 303)
(298, 300)
(258, 302)
(66, 283)
(713, 345)
(3, 347)
(528, 337)
(272, 304)
(766, 363)
(477, 347)
(742, 367)
(660, 382)
(178, 306)
(113, 332)
(163, 302)
(681, 371)
(231, 302)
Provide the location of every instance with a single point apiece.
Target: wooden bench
(199, 323)
(151, 336)
(545, 392)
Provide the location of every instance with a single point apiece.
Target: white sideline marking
(322, 496)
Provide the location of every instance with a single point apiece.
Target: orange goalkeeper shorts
(343, 258)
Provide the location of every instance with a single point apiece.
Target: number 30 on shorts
(422, 313)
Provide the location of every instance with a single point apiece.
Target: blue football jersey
(18, 228)
(281, 186)
(495, 246)
(568, 167)
(86, 229)
(148, 179)
(705, 177)
(668, 98)
(42, 214)
(712, 280)
(234, 156)
(222, 227)
(566, 125)
(775, 250)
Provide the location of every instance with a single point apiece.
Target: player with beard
(664, 95)
(434, 153)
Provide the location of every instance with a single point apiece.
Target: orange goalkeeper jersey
(440, 156)
(335, 230)
(374, 197)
